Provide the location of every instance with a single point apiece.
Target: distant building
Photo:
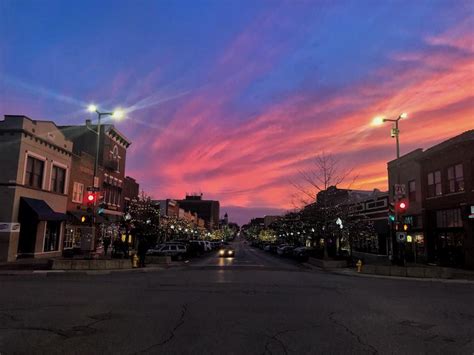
(440, 193)
(34, 182)
(168, 208)
(208, 210)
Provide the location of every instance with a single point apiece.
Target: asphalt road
(255, 303)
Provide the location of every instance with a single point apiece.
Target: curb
(78, 272)
(353, 273)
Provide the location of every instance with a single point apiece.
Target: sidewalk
(439, 274)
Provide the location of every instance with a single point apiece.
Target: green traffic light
(392, 218)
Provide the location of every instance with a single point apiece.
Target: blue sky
(203, 82)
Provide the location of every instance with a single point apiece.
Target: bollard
(359, 265)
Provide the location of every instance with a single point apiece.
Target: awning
(41, 210)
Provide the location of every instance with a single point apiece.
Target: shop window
(34, 172)
(455, 178)
(58, 179)
(449, 218)
(52, 236)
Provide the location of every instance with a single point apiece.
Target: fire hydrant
(134, 261)
(359, 265)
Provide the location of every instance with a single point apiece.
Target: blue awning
(41, 210)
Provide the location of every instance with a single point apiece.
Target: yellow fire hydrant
(359, 265)
(134, 261)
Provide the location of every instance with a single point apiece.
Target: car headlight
(231, 252)
(222, 252)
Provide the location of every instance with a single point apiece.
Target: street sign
(93, 189)
(400, 190)
(401, 237)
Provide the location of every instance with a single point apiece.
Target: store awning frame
(40, 210)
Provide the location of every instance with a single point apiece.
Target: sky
(234, 98)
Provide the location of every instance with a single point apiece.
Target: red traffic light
(402, 206)
(90, 198)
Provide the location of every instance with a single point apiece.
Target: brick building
(110, 172)
(208, 210)
(34, 180)
(439, 185)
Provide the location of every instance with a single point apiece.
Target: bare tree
(324, 172)
(315, 191)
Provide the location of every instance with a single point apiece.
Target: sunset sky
(232, 98)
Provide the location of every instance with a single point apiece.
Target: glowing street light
(395, 132)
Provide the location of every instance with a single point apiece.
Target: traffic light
(90, 198)
(391, 212)
(405, 227)
(402, 206)
(101, 209)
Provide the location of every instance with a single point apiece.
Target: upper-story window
(77, 192)
(34, 172)
(412, 190)
(455, 178)
(58, 179)
(434, 184)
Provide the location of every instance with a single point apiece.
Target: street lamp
(95, 182)
(118, 114)
(379, 120)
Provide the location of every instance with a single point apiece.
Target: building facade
(110, 172)
(406, 171)
(34, 181)
(131, 189)
(208, 210)
(447, 175)
(439, 190)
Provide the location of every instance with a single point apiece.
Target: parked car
(285, 250)
(301, 253)
(175, 251)
(267, 247)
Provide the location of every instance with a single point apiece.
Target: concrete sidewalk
(463, 276)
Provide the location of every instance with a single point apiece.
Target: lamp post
(95, 182)
(395, 133)
(377, 121)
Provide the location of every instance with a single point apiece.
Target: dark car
(226, 251)
(301, 253)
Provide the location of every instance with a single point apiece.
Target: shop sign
(401, 237)
(9, 227)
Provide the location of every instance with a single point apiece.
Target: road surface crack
(351, 332)
(179, 323)
(78, 330)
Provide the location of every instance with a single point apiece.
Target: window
(77, 192)
(449, 218)
(455, 178)
(34, 172)
(58, 179)
(52, 235)
(434, 184)
(412, 190)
